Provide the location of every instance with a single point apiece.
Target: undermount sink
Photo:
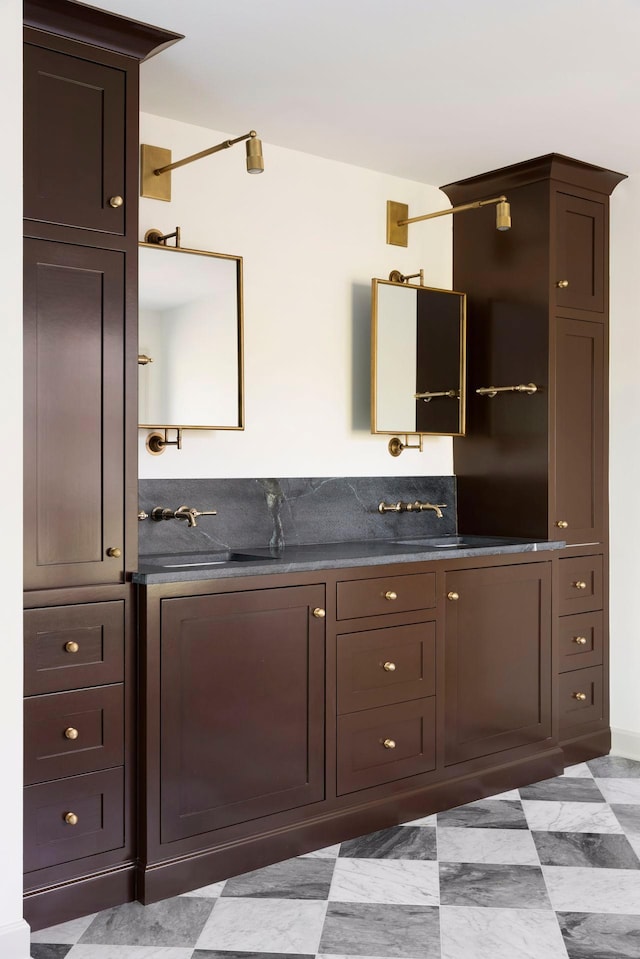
(459, 542)
(202, 560)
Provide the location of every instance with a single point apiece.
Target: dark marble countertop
(218, 564)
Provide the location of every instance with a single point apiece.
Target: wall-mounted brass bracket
(397, 277)
(160, 238)
(152, 159)
(396, 446)
(397, 235)
(157, 442)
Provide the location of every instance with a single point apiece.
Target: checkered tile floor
(548, 871)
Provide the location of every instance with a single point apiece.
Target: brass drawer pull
(562, 284)
(389, 743)
(114, 551)
(580, 640)
(116, 201)
(580, 697)
(389, 667)
(453, 596)
(71, 733)
(390, 595)
(562, 524)
(71, 819)
(71, 647)
(319, 613)
(579, 584)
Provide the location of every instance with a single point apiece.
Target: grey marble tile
(394, 931)
(579, 771)
(403, 881)
(264, 925)
(213, 954)
(486, 814)
(514, 846)
(301, 878)
(65, 932)
(172, 922)
(628, 815)
(593, 936)
(582, 889)
(327, 852)
(570, 816)
(423, 821)
(399, 842)
(599, 850)
(625, 791)
(81, 951)
(49, 950)
(509, 794)
(476, 933)
(487, 884)
(207, 892)
(614, 767)
(563, 789)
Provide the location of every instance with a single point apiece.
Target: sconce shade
(503, 216)
(255, 160)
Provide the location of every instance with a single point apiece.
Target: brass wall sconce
(398, 218)
(156, 165)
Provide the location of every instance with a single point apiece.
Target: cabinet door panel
(74, 399)
(498, 650)
(580, 253)
(242, 714)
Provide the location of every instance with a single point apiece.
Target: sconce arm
(204, 153)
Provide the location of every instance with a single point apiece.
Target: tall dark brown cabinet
(535, 464)
(80, 261)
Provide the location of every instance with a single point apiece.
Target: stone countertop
(185, 567)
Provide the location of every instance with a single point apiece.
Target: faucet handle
(389, 507)
(190, 513)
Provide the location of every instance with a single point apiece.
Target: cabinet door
(580, 256)
(242, 707)
(74, 144)
(74, 400)
(498, 638)
(580, 491)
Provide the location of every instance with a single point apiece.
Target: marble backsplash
(294, 512)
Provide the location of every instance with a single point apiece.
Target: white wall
(312, 235)
(14, 938)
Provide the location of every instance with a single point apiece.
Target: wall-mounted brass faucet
(158, 513)
(416, 507)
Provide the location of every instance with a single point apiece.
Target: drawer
(71, 733)
(580, 584)
(383, 666)
(70, 647)
(379, 745)
(580, 641)
(574, 710)
(95, 806)
(386, 594)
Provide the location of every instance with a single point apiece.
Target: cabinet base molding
(625, 743)
(48, 907)
(14, 940)
(170, 878)
(588, 746)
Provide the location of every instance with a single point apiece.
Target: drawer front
(575, 710)
(580, 641)
(384, 666)
(580, 584)
(387, 594)
(97, 803)
(379, 745)
(70, 647)
(71, 733)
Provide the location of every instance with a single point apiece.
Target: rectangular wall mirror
(190, 339)
(417, 359)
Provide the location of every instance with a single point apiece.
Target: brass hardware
(398, 219)
(71, 647)
(562, 284)
(389, 507)
(71, 733)
(389, 667)
(159, 238)
(115, 552)
(389, 743)
(142, 516)
(492, 391)
(397, 277)
(417, 507)
(396, 446)
(189, 513)
(157, 443)
(429, 395)
(319, 613)
(144, 360)
(580, 640)
(452, 596)
(71, 819)
(115, 201)
(390, 595)
(156, 165)
(580, 697)
(579, 584)
(562, 524)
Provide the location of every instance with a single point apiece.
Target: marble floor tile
(172, 922)
(264, 925)
(634, 842)
(49, 950)
(594, 936)
(510, 794)
(488, 884)
(616, 767)
(399, 842)
(301, 878)
(485, 814)
(327, 852)
(563, 789)
(238, 954)
(397, 932)
(474, 933)
(598, 850)
(628, 815)
(403, 881)
(579, 771)
(207, 892)
(593, 890)
(620, 790)
(68, 932)
(82, 951)
(514, 846)
(424, 821)
(570, 816)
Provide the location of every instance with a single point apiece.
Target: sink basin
(203, 560)
(460, 542)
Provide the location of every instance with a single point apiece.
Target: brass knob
(580, 640)
(579, 584)
(390, 595)
(389, 667)
(71, 646)
(453, 596)
(580, 696)
(562, 524)
(114, 551)
(562, 284)
(71, 819)
(389, 743)
(115, 201)
(319, 613)
(71, 733)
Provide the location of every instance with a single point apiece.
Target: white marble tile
(208, 892)
(264, 925)
(634, 842)
(580, 771)
(469, 932)
(510, 794)
(584, 889)
(328, 852)
(570, 816)
(129, 952)
(513, 846)
(66, 932)
(404, 881)
(620, 790)
(424, 821)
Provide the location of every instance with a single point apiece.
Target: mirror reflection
(418, 359)
(190, 338)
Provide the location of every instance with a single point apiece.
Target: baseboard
(625, 743)
(15, 940)
(48, 907)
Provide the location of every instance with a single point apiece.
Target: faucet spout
(417, 507)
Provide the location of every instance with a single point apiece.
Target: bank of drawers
(74, 732)
(385, 682)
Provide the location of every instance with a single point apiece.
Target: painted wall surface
(312, 235)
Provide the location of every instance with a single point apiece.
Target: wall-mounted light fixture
(156, 165)
(398, 218)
